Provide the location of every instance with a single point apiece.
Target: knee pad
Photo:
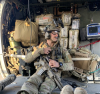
(29, 88)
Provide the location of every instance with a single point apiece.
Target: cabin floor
(90, 87)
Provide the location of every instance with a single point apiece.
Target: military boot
(80, 90)
(67, 90)
(22, 92)
(8, 80)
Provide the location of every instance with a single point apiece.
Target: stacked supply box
(64, 36)
(43, 21)
(73, 38)
(74, 33)
(66, 19)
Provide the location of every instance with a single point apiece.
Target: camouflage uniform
(69, 90)
(41, 84)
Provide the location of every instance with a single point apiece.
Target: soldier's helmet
(53, 28)
(49, 29)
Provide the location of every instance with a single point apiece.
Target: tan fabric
(38, 85)
(93, 65)
(67, 61)
(30, 57)
(69, 90)
(86, 64)
(45, 85)
(24, 30)
(83, 67)
(73, 38)
(66, 18)
(89, 65)
(64, 31)
(25, 44)
(75, 24)
(68, 66)
(44, 19)
(42, 31)
(32, 85)
(80, 90)
(64, 42)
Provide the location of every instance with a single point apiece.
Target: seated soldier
(40, 83)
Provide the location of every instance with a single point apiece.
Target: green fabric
(44, 84)
(29, 57)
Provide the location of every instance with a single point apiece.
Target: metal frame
(3, 69)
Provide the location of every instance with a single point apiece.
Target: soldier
(59, 58)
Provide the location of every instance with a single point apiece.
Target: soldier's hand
(53, 63)
(47, 50)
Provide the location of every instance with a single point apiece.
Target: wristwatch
(60, 64)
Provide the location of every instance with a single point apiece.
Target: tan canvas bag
(89, 65)
(24, 30)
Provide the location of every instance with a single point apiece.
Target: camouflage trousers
(37, 84)
(69, 90)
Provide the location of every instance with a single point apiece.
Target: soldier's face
(54, 36)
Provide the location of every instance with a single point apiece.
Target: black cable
(28, 10)
(30, 21)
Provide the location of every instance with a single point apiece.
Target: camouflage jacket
(59, 54)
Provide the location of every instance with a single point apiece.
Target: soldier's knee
(30, 88)
(36, 80)
(80, 90)
(68, 87)
(67, 90)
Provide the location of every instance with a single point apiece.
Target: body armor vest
(55, 53)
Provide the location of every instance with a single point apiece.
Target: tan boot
(80, 90)
(67, 90)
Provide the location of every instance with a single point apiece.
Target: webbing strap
(94, 71)
(30, 21)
